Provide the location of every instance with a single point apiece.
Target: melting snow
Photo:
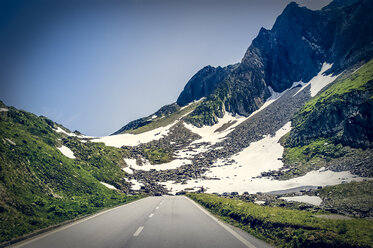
(209, 133)
(66, 151)
(11, 141)
(230, 184)
(127, 139)
(314, 200)
(108, 185)
(136, 185)
(320, 80)
(60, 130)
(260, 156)
(128, 170)
(174, 164)
(260, 202)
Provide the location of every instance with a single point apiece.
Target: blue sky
(93, 66)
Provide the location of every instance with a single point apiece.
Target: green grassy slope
(39, 186)
(289, 228)
(334, 127)
(165, 120)
(355, 198)
(333, 112)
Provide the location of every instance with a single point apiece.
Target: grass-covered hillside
(335, 128)
(165, 120)
(354, 199)
(39, 186)
(287, 227)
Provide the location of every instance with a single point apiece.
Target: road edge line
(225, 226)
(62, 226)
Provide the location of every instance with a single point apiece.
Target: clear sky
(93, 66)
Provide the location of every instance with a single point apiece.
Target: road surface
(168, 221)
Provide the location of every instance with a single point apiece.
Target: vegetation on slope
(341, 113)
(334, 128)
(39, 186)
(105, 163)
(163, 121)
(208, 112)
(355, 198)
(289, 228)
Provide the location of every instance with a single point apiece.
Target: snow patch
(174, 164)
(211, 134)
(314, 200)
(260, 202)
(320, 80)
(320, 177)
(128, 170)
(60, 130)
(11, 141)
(136, 185)
(66, 151)
(261, 155)
(128, 139)
(108, 185)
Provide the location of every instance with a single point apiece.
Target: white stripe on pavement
(138, 231)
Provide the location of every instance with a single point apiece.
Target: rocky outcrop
(343, 113)
(202, 84)
(293, 50)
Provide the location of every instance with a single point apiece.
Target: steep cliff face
(343, 113)
(202, 84)
(293, 50)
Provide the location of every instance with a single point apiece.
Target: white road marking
(236, 235)
(156, 207)
(151, 215)
(63, 227)
(138, 231)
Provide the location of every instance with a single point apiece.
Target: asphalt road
(168, 221)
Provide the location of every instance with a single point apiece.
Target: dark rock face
(202, 84)
(345, 119)
(293, 50)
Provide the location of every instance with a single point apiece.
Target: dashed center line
(138, 231)
(151, 215)
(156, 207)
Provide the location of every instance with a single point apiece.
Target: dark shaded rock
(202, 84)
(292, 51)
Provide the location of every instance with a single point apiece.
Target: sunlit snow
(320, 80)
(314, 200)
(66, 151)
(108, 185)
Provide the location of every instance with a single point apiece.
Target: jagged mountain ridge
(302, 46)
(300, 41)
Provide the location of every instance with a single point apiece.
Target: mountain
(294, 118)
(294, 50)
(297, 106)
